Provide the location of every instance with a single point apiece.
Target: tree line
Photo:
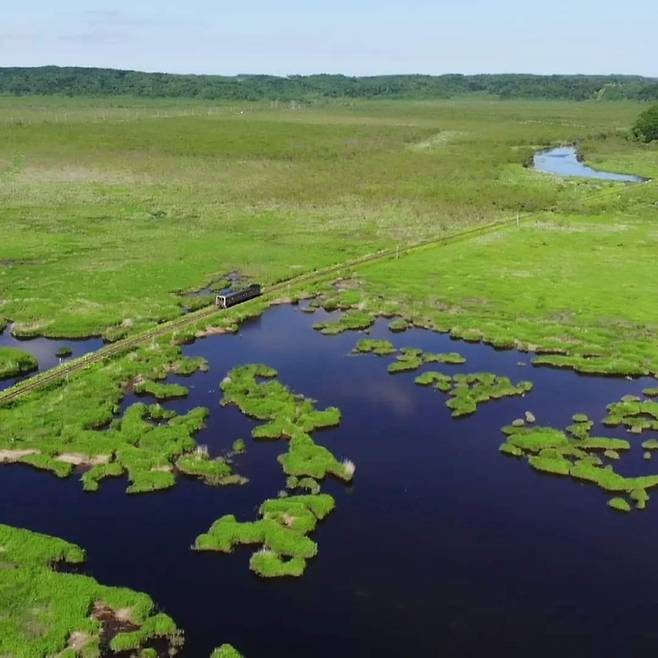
(74, 81)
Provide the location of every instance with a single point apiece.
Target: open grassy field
(579, 288)
(109, 207)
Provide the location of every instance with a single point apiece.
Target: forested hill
(51, 80)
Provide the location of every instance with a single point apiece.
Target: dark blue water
(441, 547)
(44, 349)
(564, 161)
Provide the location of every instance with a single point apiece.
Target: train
(232, 297)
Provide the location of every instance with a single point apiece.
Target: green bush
(15, 362)
(646, 126)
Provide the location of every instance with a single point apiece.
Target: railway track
(113, 349)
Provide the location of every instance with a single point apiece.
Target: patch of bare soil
(78, 640)
(10, 456)
(80, 459)
(112, 622)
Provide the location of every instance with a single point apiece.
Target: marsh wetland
(435, 434)
(565, 161)
(436, 528)
(45, 353)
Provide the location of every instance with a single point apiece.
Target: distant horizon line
(345, 75)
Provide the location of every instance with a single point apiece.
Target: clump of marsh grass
(256, 391)
(398, 325)
(286, 520)
(226, 651)
(282, 532)
(619, 504)
(634, 413)
(467, 391)
(376, 346)
(352, 320)
(550, 450)
(14, 362)
(349, 468)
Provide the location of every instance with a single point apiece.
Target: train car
(233, 297)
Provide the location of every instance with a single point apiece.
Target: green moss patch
(635, 414)
(619, 504)
(43, 608)
(213, 472)
(271, 401)
(226, 651)
(306, 458)
(559, 453)
(603, 443)
(550, 461)
(443, 357)
(438, 380)
(15, 362)
(375, 346)
(641, 498)
(282, 532)
(353, 320)
(254, 389)
(509, 449)
(470, 390)
(398, 325)
(160, 390)
(411, 358)
(467, 391)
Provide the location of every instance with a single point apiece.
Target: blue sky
(361, 37)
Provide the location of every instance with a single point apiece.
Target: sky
(357, 37)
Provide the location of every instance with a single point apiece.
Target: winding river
(564, 161)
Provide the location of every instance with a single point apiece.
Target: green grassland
(576, 288)
(108, 207)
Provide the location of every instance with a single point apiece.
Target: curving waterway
(440, 547)
(564, 161)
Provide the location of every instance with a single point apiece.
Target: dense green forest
(50, 80)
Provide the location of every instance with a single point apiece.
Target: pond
(45, 351)
(564, 161)
(440, 547)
